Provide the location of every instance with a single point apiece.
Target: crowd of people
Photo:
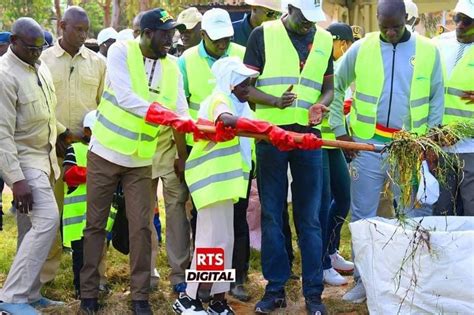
(83, 126)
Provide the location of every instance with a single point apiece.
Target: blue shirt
(242, 30)
(203, 54)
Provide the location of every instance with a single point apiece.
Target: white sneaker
(332, 277)
(340, 264)
(356, 294)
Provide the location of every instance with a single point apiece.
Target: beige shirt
(79, 83)
(27, 119)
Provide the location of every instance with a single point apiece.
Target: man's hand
(22, 196)
(468, 96)
(432, 159)
(316, 113)
(179, 166)
(286, 99)
(349, 153)
(62, 142)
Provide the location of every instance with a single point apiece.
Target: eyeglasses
(32, 49)
(464, 19)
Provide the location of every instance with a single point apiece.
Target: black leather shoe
(141, 307)
(238, 291)
(90, 306)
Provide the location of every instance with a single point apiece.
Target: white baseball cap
(217, 24)
(311, 9)
(89, 119)
(411, 9)
(466, 7)
(106, 34)
(274, 5)
(126, 34)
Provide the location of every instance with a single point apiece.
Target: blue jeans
(336, 200)
(306, 169)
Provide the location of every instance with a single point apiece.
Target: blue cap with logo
(159, 19)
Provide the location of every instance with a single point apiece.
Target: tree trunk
(57, 7)
(116, 14)
(144, 5)
(107, 13)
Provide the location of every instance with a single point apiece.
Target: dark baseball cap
(341, 31)
(159, 19)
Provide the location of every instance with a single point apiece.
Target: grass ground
(162, 299)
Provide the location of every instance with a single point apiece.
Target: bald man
(78, 75)
(27, 151)
(399, 83)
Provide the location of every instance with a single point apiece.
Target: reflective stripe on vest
(200, 79)
(282, 68)
(75, 203)
(460, 80)
(216, 171)
(369, 71)
(123, 131)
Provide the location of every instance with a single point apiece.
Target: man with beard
(78, 75)
(122, 147)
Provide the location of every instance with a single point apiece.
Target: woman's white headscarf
(230, 72)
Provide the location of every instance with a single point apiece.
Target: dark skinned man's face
(75, 31)
(28, 47)
(391, 27)
(464, 28)
(264, 14)
(160, 41)
(298, 23)
(216, 48)
(191, 37)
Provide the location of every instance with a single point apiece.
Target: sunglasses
(272, 14)
(32, 49)
(464, 19)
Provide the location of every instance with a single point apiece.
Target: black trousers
(77, 261)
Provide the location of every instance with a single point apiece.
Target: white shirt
(449, 47)
(118, 79)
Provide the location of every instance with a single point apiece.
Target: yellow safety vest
(216, 171)
(461, 79)
(369, 83)
(282, 68)
(201, 82)
(128, 133)
(75, 204)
